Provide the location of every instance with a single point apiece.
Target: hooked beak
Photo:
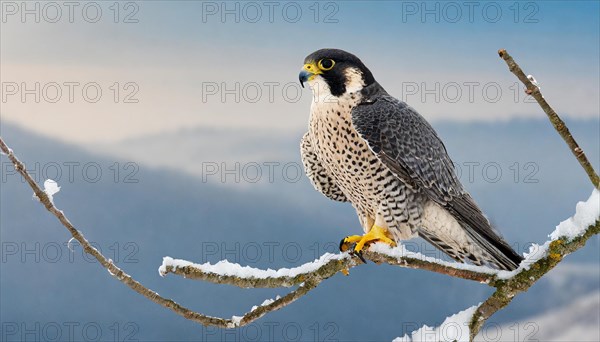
(304, 77)
(308, 73)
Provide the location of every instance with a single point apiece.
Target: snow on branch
(454, 328)
(568, 236)
(586, 213)
(225, 272)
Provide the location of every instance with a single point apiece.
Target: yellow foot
(374, 235)
(349, 240)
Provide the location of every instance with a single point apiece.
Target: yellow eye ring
(326, 64)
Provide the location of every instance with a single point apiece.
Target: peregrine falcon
(368, 148)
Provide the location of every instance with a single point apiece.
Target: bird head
(335, 72)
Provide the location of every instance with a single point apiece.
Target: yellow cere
(313, 69)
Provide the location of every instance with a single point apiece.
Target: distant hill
(576, 321)
(170, 213)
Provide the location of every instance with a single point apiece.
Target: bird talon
(348, 241)
(343, 245)
(359, 255)
(360, 242)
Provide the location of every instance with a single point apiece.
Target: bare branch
(115, 271)
(559, 125)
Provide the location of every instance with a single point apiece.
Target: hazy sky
(162, 66)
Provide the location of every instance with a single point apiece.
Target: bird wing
(408, 146)
(317, 174)
(405, 142)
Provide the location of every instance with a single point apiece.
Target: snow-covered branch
(454, 328)
(225, 272)
(569, 236)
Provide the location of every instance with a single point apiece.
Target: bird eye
(326, 64)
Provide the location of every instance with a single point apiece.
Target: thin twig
(556, 121)
(126, 279)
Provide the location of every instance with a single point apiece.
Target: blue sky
(177, 47)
